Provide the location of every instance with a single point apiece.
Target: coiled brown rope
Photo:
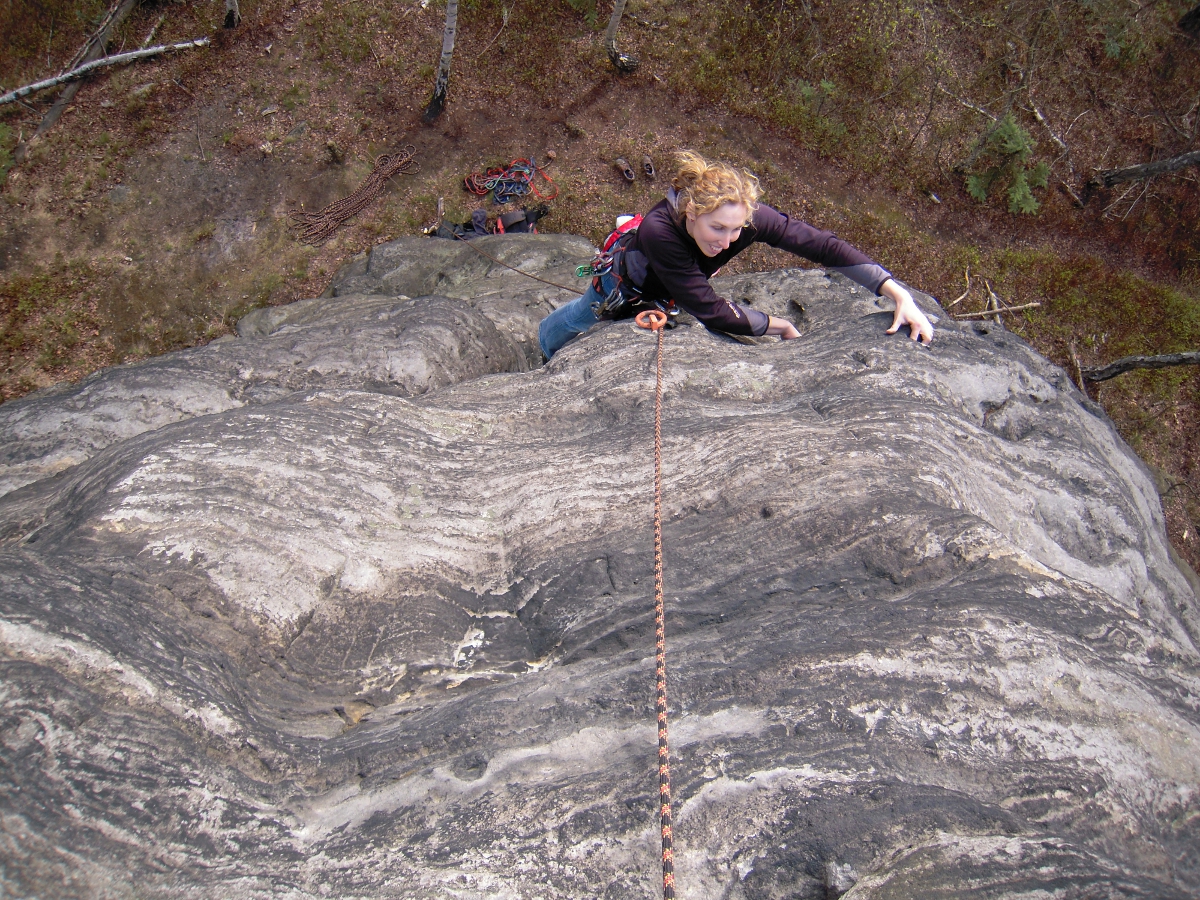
(655, 320)
(315, 228)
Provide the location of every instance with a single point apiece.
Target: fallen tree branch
(1129, 363)
(969, 105)
(1180, 484)
(1079, 201)
(1037, 114)
(993, 312)
(103, 62)
(153, 31)
(504, 11)
(967, 277)
(994, 303)
(1109, 177)
(645, 23)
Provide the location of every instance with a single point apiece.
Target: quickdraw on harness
(656, 320)
(625, 293)
(506, 182)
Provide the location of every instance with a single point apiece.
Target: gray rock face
(360, 605)
(474, 318)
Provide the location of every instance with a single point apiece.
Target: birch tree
(622, 62)
(91, 51)
(442, 83)
(1191, 22)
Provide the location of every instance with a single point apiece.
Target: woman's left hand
(907, 312)
(781, 327)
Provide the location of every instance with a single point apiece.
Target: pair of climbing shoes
(627, 171)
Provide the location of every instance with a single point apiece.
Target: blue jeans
(572, 318)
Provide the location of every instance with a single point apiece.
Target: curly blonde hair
(702, 186)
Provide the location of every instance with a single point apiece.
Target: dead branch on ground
(969, 105)
(1129, 363)
(996, 310)
(1079, 379)
(93, 47)
(103, 62)
(993, 302)
(504, 13)
(153, 31)
(1109, 177)
(963, 296)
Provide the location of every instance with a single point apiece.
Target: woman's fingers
(910, 314)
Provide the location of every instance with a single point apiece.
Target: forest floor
(155, 213)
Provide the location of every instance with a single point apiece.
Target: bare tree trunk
(1109, 177)
(233, 15)
(442, 83)
(622, 62)
(1191, 22)
(1129, 363)
(92, 50)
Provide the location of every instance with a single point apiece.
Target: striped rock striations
(359, 605)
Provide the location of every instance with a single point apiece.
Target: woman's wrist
(781, 327)
(894, 291)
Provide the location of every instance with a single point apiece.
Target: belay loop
(655, 320)
(651, 320)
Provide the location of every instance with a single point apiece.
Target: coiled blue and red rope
(506, 183)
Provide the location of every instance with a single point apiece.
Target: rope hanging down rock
(561, 287)
(656, 320)
(316, 228)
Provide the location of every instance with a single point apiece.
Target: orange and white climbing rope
(655, 320)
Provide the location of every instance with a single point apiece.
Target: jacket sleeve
(688, 286)
(822, 247)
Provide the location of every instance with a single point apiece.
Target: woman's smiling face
(714, 231)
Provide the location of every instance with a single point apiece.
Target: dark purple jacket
(665, 263)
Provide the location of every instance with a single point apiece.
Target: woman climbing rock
(710, 215)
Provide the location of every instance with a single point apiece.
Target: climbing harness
(516, 179)
(315, 228)
(603, 262)
(607, 261)
(656, 320)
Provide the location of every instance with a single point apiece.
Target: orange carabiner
(651, 319)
